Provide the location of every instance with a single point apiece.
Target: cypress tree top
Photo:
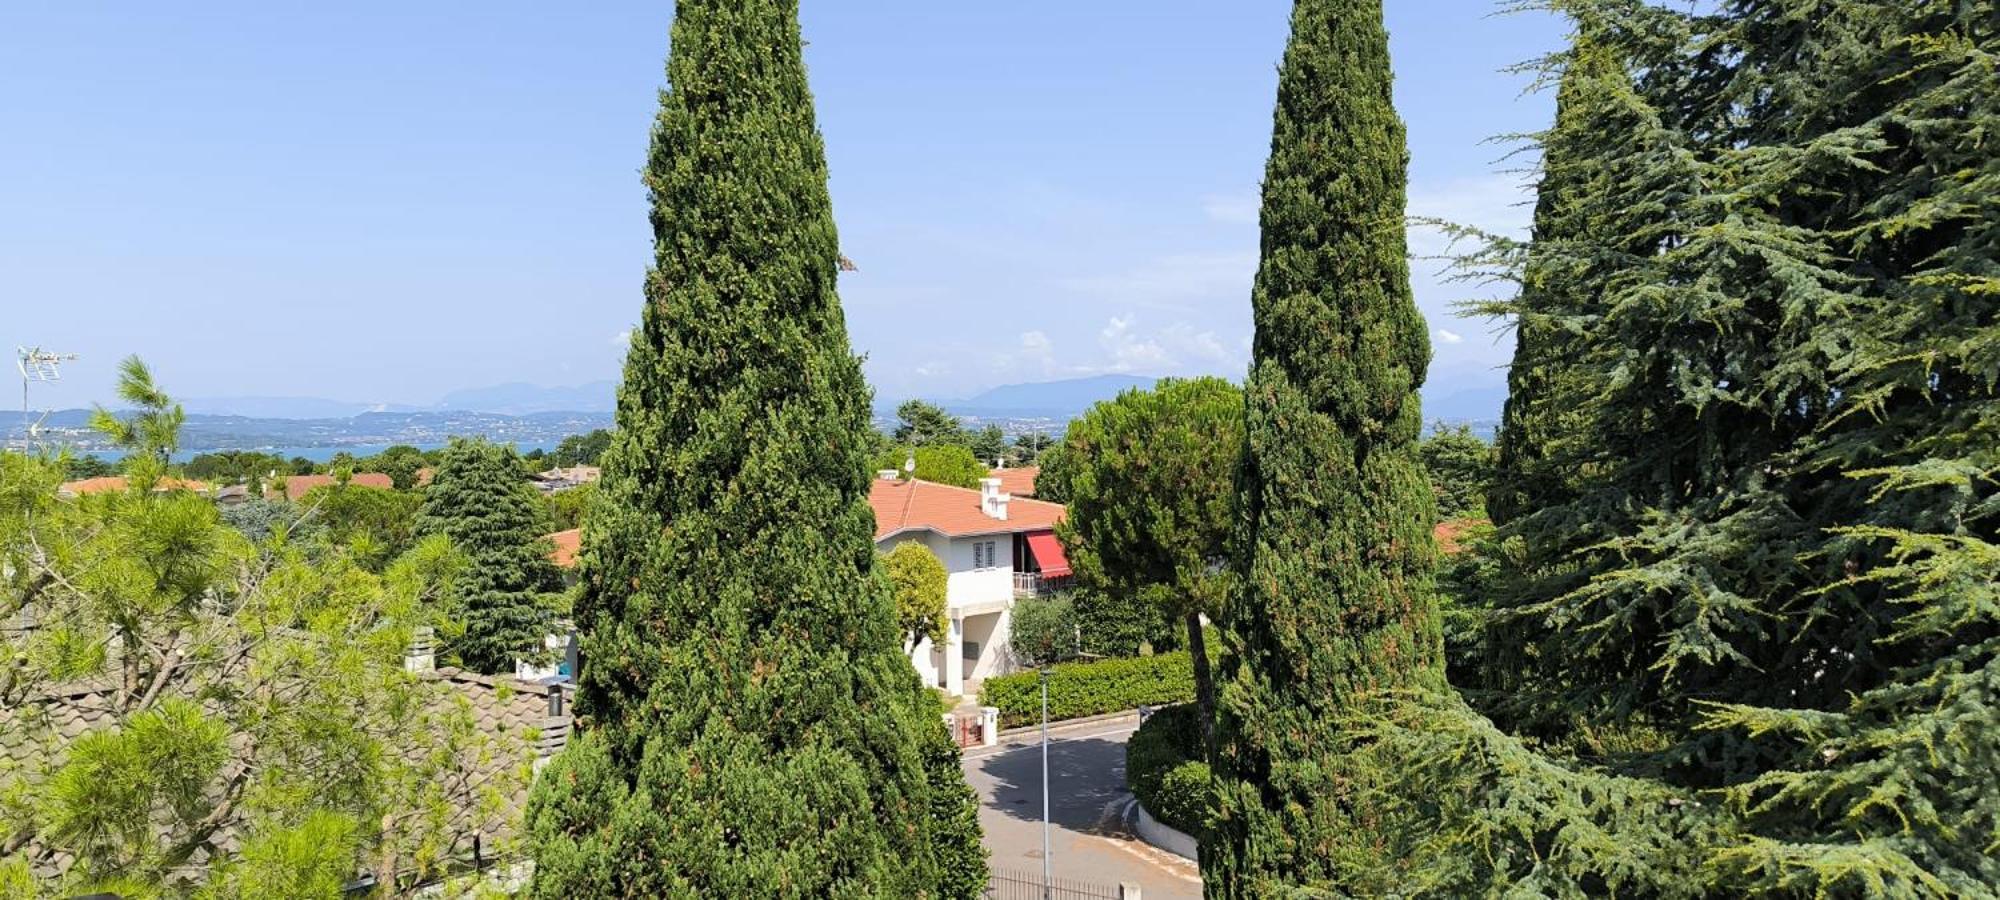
(1336, 604)
(750, 726)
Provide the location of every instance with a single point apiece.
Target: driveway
(1087, 793)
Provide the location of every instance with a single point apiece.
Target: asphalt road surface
(1087, 792)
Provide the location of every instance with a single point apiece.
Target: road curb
(1036, 729)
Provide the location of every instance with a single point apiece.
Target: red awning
(1048, 554)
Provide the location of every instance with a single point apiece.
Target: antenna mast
(37, 365)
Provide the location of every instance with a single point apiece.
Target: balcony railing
(1034, 584)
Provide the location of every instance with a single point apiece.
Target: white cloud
(1127, 351)
(1040, 352)
(622, 339)
(1450, 337)
(1125, 345)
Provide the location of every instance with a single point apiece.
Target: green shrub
(1183, 798)
(1092, 688)
(1044, 628)
(1164, 768)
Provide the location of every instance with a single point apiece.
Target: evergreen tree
(1335, 555)
(1151, 501)
(479, 500)
(1773, 276)
(988, 444)
(1460, 464)
(922, 424)
(748, 724)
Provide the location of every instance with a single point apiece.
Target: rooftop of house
(116, 483)
(296, 486)
(905, 506)
(1018, 481)
(910, 505)
(577, 474)
(516, 714)
(567, 545)
(1451, 533)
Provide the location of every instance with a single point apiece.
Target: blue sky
(384, 201)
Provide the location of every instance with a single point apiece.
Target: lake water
(316, 454)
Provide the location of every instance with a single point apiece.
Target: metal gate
(965, 730)
(1006, 885)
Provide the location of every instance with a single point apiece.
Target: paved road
(1086, 787)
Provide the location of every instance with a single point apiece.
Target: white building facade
(996, 549)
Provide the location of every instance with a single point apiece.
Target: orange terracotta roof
(951, 511)
(296, 486)
(567, 545)
(1450, 534)
(114, 483)
(1020, 482)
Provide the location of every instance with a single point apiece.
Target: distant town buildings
(560, 479)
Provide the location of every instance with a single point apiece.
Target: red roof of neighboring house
(296, 486)
(1451, 533)
(1019, 482)
(951, 511)
(113, 483)
(568, 545)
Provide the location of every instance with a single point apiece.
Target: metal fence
(1019, 886)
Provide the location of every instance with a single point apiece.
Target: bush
(1044, 629)
(1067, 625)
(1164, 768)
(1120, 624)
(1092, 688)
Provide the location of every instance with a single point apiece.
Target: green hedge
(1092, 688)
(1164, 767)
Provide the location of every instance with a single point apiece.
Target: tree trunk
(1204, 682)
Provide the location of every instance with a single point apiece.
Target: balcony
(1033, 584)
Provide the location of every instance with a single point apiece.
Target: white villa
(996, 547)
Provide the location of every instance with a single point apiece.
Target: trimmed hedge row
(1092, 688)
(1164, 768)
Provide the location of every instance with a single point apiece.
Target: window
(985, 555)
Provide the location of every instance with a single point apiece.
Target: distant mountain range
(1072, 395)
(1065, 399)
(531, 414)
(518, 399)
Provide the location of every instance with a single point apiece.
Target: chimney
(555, 730)
(991, 501)
(421, 657)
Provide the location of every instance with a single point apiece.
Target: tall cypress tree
(479, 500)
(1336, 606)
(748, 725)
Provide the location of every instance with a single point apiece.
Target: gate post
(1128, 891)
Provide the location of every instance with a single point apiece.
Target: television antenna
(37, 365)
